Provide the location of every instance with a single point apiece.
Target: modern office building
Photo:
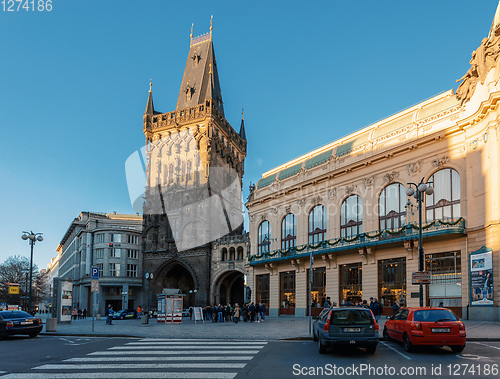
(111, 242)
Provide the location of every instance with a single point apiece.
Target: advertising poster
(481, 277)
(66, 300)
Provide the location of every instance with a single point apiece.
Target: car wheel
(407, 343)
(122, 317)
(386, 334)
(33, 335)
(321, 347)
(315, 337)
(371, 349)
(457, 349)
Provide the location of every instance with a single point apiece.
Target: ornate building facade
(346, 206)
(193, 192)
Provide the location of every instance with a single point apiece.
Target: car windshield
(14, 314)
(351, 316)
(434, 315)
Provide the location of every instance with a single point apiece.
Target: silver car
(346, 326)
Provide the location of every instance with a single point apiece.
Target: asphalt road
(91, 357)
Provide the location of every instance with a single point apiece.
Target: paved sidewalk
(273, 328)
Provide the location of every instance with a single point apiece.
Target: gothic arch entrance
(177, 276)
(229, 288)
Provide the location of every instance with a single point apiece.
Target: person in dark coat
(251, 309)
(263, 311)
(395, 307)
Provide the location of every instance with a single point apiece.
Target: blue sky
(74, 84)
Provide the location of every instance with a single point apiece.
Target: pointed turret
(242, 127)
(150, 109)
(201, 79)
(496, 22)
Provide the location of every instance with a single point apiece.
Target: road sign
(94, 272)
(95, 285)
(13, 290)
(421, 277)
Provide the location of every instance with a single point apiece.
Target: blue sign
(94, 273)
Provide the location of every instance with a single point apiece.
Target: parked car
(19, 322)
(426, 326)
(346, 326)
(125, 313)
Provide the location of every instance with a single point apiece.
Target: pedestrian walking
(251, 309)
(139, 310)
(74, 314)
(236, 314)
(109, 315)
(244, 311)
(257, 312)
(375, 308)
(263, 311)
(84, 313)
(395, 307)
(327, 302)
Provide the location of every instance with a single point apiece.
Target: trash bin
(51, 325)
(144, 318)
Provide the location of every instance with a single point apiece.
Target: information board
(481, 277)
(198, 314)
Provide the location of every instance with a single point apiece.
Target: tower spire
(150, 109)
(242, 127)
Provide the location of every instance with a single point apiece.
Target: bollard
(51, 325)
(144, 318)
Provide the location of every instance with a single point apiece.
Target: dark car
(346, 326)
(19, 322)
(125, 313)
(426, 326)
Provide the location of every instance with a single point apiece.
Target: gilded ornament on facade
(391, 176)
(484, 58)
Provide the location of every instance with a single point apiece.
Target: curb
(302, 338)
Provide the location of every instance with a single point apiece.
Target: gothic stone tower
(194, 178)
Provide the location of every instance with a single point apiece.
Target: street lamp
(418, 193)
(148, 277)
(32, 237)
(194, 299)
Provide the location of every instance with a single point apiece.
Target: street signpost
(94, 275)
(421, 277)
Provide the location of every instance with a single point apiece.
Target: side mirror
(389, 317)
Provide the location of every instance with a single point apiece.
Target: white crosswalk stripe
(154, 358)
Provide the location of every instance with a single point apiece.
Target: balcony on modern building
(386, 237)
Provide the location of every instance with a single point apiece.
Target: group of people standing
(78, 314)
(249, 312)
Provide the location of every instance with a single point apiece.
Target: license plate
(26, 322)
(352, 330)
(440, 330)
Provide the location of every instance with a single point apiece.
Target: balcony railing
(379, 237)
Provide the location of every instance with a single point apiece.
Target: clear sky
(74, 83)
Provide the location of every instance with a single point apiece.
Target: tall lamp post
(32, 237)
(418, 194)
(148, 277)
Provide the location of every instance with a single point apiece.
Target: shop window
(392, 282)
(350, 283)
(288, 231)
(287, 289)
(318, 287)
(392, 201)
(351, 216)
(264, 237)
(444, 203)
(317, 224)
(262, 289)
(446, 279)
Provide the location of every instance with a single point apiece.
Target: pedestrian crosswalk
(154, 358)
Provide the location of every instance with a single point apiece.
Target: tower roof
(201, 79)
(150, 109)
(242, 128)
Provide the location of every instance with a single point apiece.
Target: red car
(426, 326)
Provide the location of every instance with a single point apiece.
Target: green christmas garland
(356, 237)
